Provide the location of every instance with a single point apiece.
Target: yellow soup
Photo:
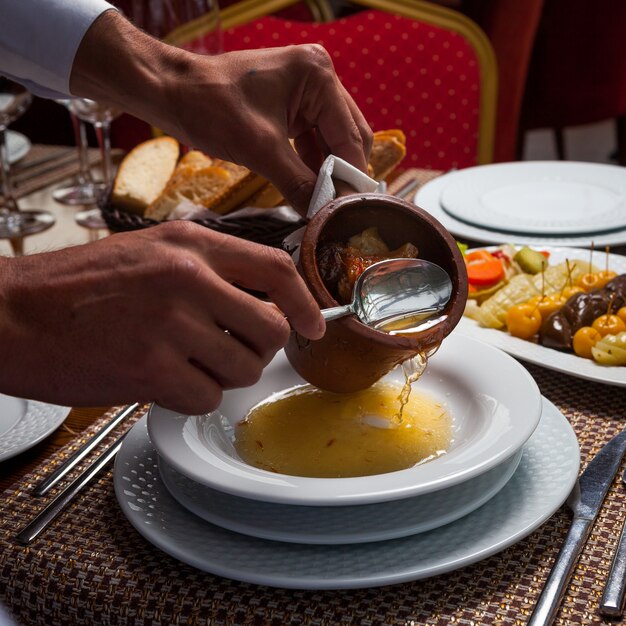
(309, 432)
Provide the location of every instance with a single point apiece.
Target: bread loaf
(144, 173)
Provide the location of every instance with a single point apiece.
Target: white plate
(428, 198)
(494, 409)
(546, 475)
(337, 524)
(24, 423)
(18, 146)
(539, 197)
(565, 362)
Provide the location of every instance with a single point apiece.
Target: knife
(585, 501)
(612, 603)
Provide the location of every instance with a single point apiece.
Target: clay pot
(352, 356)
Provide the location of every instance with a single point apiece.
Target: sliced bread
(388, 150)
(200, 186)
(143, 174)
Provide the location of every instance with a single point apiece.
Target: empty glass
(100, 116)
(15, 223)
(86, 190)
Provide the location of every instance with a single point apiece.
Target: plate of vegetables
(561, 308)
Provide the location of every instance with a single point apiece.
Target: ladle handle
(337, 311)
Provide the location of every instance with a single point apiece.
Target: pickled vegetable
(609, 325)
(523, 321)
(584, 340)
(610, 350)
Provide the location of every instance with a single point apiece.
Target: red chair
(577, 73)
(127, 131)
(425, 69)
(511, 26)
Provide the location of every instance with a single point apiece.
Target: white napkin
(332, 168)
(335, 168)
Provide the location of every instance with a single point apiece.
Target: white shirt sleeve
(39, 40)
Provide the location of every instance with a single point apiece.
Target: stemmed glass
(85, 191)
(100, 116)
(15, 223)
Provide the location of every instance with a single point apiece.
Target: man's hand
(148, 316)
(241, 106)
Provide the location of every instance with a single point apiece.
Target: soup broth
(309, 432)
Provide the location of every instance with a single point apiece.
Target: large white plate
(546, 475)
(24, 423)
(565, 362)
(539, 197)
(337, 524)
(18, 146)
(428, 197)
(493, 401)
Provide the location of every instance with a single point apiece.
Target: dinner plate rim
(537, 511)
(428, 196)
(39, 419)
(471, 211)
(564, 362)
(340, 517)
(23, 149)
(166, 432)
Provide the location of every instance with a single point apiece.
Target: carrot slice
(483, 268)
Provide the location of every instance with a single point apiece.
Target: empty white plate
(428, 197)
(24, 423)
(539, 197)
(18, 146)
(493, 401)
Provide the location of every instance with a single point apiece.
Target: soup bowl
(352, 356)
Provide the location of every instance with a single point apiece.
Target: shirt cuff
(39, 40)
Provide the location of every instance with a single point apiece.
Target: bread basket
(264, 229)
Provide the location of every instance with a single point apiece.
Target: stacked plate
(24, 423)
(533, 202)
(512, 462)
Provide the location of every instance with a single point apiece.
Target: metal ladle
(398, 296)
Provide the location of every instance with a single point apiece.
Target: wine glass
(101, 116)
(14, 222)
(86, 190)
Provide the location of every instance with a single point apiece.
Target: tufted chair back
(418, 67)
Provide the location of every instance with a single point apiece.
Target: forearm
(239, 106)
(120, 65)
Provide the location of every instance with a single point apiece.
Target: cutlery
(407, 188)
(398, 294)
(24, 177)
(56, 154)
(53, 478)
(41, 521)
(585, 501)
(612, 602)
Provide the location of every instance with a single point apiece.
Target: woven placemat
(92, 567)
